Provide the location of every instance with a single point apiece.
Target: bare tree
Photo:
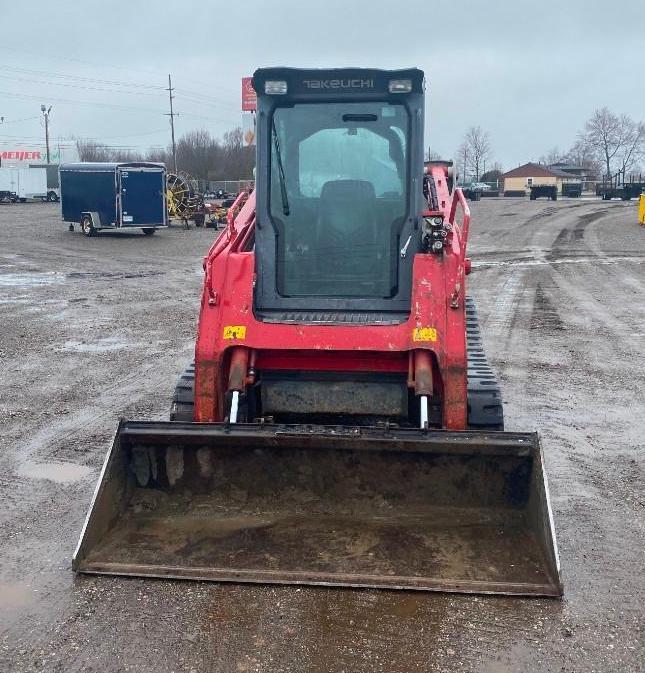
(583, 155)
(234, 139)
(553, 156)
(603, 136)
(463, 161)
(494, 174)
(478, 151)
(198, 153)
(432, 155)
(617, 141)
(123, 154)
(633, 145)
(239, 158)
(159, 155)
(90, 150)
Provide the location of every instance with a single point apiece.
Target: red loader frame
(233, 346)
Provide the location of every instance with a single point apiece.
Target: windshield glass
(338, 197)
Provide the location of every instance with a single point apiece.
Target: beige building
(522, 178)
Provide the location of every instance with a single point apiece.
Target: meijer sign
(21, 155)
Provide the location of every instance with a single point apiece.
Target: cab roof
(337, 80)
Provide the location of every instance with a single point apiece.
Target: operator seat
(347, 228)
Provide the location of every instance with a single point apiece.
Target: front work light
(275, 86)
(400, 85)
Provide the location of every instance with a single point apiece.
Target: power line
(125, 147)
(79, 102)
(135, 135)
(231, 92)
(205, 101)
(15, 121)
(80, 78)
(106, 64)
(111, 105)
(15, 73)
(190, 99)
(2, 137)
(78, 86)
(187, 94)
(74, 138)
(72, 143)
(78, 60)
(199, 94)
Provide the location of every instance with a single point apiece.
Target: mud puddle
(15, 595)
(112, 275)
(61, 473)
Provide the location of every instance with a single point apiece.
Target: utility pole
(45, 110)
(171, 114)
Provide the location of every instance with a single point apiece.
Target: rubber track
(485, 411)
(183, 399)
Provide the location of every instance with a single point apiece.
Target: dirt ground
(96, 329)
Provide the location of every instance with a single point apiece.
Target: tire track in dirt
(507, 321)
(572, 363)
(536, 372)
(631, 276)
(589, 450)
(595, 290)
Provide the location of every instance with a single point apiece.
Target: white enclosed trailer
(8, 184)
(24, 183)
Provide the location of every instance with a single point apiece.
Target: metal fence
(230, 186)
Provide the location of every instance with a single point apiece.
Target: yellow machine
(641, 210)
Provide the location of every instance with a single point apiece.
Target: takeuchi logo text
(20, 155)
(339, 83)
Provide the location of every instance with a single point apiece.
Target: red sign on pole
(249, 99)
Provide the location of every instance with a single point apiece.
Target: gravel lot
(97, 329)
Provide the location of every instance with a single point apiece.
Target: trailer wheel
(87, 227)
(51, 197)
(148, 231)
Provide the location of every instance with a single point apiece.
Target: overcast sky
(530, 73)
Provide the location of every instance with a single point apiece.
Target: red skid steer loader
(340, 424)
